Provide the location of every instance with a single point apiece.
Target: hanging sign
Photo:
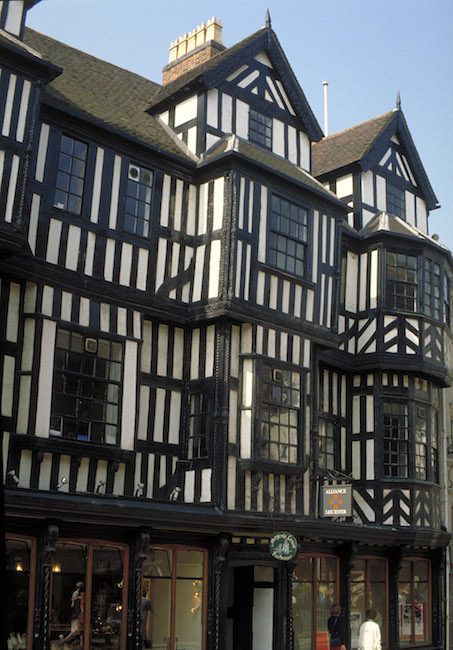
(283, 546)
(337, 500)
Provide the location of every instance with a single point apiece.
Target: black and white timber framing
(199, 307)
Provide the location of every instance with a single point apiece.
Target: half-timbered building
(209, 312)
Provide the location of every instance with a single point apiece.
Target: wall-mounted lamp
(62, 482)
(18, 564)
(12, 479)
(56, 567)
(100, 487)
(139, 490)
(174, 494)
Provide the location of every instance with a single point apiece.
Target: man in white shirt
(369, 634)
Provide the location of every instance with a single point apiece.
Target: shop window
(401, 281)
(315, 590)
(396, 201)
(288, 232)
(414, 602)
(137, 214)
(173, 598)
(20, 572)
(260, 129)
(86, 388)
(80, 569)
(368, 591)
(279, 414)
(70, 175)
(200, 413)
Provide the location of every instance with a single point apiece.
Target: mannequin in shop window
(77, 614)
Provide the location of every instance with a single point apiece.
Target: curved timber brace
(42, 607)
(134, 627)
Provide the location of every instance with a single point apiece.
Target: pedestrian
(337, 628)
(370, 633)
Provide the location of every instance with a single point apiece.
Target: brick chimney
(191, 49)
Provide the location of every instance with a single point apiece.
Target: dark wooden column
(346, 553)
(290, 568)
(395, 556)
(438, 567)
(46, 552)
(139, 549)
(217, 612)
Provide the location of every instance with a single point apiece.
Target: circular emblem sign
(283, 546)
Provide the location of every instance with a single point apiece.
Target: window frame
(412, 642)
(265, 123)
(290, 240)
(259, 422)
(395, 200)
(130, 167)
(206, 393)
(31, 580)
(400, 286)
(61, 375)
(400, 440)
(367, 591)
(59, 170)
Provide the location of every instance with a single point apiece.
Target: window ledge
(285, 275)
(271, 467)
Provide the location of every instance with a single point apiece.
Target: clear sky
(366, 49)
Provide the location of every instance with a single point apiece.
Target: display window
(315, 590)
(20, 581)
(173, 606)
(88, 596)
(414, 602)
(369, 590)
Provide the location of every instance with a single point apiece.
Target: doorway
(251, 607)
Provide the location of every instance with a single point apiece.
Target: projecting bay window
(414, 602)
(137, 214)
(260, 129)
(287, 237)
(200, 418)
(86, 388)
(70, 175)
(279, 414)
(396, 440)
(401, 281)
(396, 201)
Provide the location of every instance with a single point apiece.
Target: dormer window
(260, 129)
(396, 201)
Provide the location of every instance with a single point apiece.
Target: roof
(384, 222)
(349, 146)
(268, 160)
(103, 93)
(210, 73)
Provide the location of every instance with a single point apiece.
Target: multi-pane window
(395, 439)
(401, 281)
(414, 603)
(396, 201)
(137, 214)
(260, 129)
(288, 229)
(326, 437)
(446, 299)
(432, 287)
(200, 412)
(421, 441)
(279, 414)
(70, 175)
(368, 591)
(86, 388)
(435, 445)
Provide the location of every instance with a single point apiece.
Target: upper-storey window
(279, 414)
(401, 281)
(260, 129)
(138, 200)
(200, 412)
(396, 201)
(396, 440)
(432, 287)
(70, 175)
(288, 233)
(86, 388)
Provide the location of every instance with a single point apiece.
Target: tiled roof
(104, 93)
(267, 159)
(348, 146)
(384, 222)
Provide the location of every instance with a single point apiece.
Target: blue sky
(366, 49)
